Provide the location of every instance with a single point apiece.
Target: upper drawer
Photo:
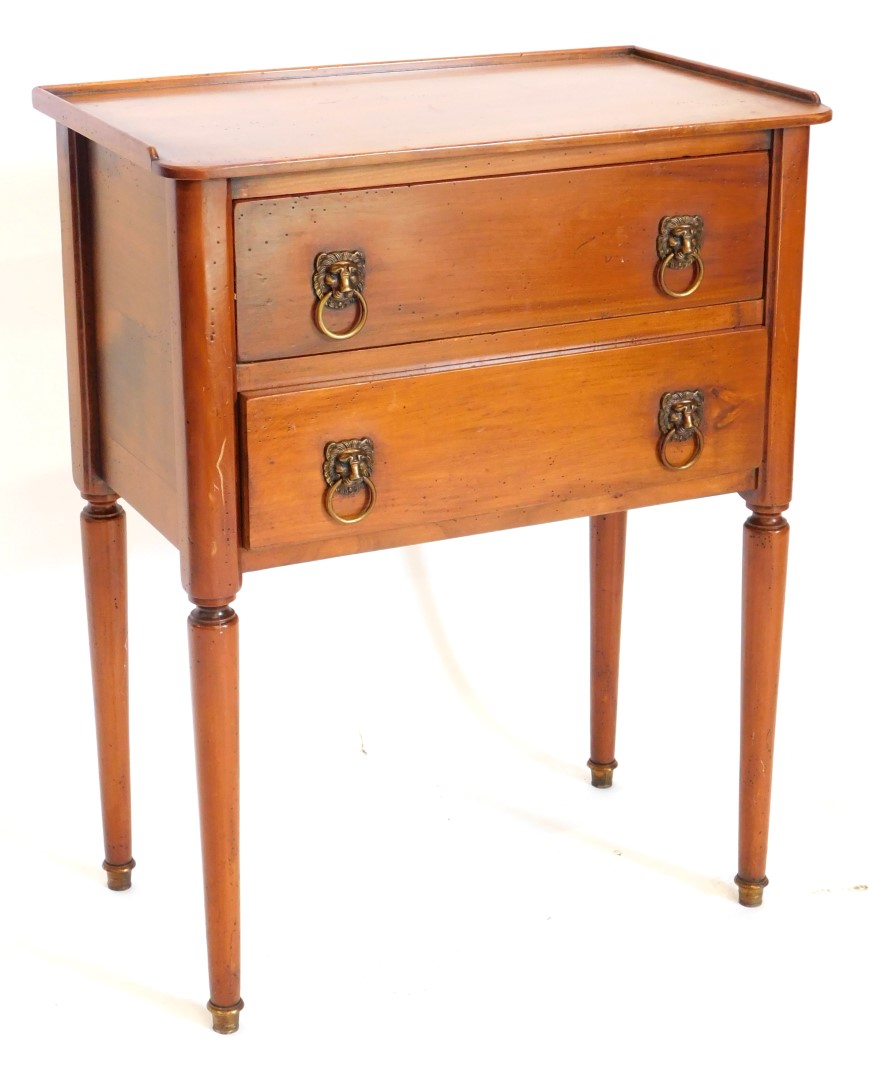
(506, 253)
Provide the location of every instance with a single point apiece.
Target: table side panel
(135, 306)
(76, 237)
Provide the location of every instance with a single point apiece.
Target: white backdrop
(455, 900)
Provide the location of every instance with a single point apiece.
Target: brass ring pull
(679, 419)
(363, 513)
(347, 469)
(668, 438)
(354, 329)
(696, 261)
(678, 247)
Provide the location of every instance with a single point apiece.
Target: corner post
(765, 546)
(210, 567)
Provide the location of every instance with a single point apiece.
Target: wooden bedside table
(322, 311)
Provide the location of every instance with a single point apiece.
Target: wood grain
(104, 550)
(200, 127)
(77, 233)
(765, 553)
(134, 306)
(483, 255)
(206, 395)
(475, 350)
(351, 543)
(483, 440)
(346, 175)
(785, 279)
(607, 536)
(213, 640)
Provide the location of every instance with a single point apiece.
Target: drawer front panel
(486, 440)
(504, 253)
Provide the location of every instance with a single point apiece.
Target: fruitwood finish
(591, 446)
(213, 636)
(104, 546)
(438, 273)
(607, 537)
(518, 345)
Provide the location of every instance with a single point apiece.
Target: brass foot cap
(750, 892)
(119, 877)
(224, 1018)
(602, 775)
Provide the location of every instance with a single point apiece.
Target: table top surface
(210, 126)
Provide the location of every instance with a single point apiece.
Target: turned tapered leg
(213, 636)
(607, 571)
(104, 547)
(764, 570)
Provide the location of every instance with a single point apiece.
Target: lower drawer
(580, 430)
